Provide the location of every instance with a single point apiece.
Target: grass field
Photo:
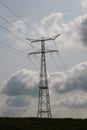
(42, 124)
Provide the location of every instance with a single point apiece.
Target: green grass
(42, 124)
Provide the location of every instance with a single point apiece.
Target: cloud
(22, 83)
(49, 25)
(20, 33)
(83, 29)
(20, 92)
(78, 101)
(74, 80)
(18, 101)
(18, 27)
(84, 4)
(21, 89)
(70, 89)
(67, 91)
(73, 33)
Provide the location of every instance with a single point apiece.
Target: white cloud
(18, 26)
(49, 25)
(84, 4)
(20, 33)
(73, 33)
(67, 91)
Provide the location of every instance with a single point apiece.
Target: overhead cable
(9, 50)
(12, 35)
(55, 62)
(19, 17)
(11, 47)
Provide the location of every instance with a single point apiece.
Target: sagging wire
(30, 60)
(58, 68)
(64, 66)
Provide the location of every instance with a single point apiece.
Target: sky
(67, 70)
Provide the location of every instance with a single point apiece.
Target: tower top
(44, 39)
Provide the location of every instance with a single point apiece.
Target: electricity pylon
(44, 109)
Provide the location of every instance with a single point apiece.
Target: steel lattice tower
(44, 109)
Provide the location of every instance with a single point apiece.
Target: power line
(63, 63)
(64, 67)
(9, 50)
(60, 58)
(16, 52)
(9, 32)
(11, 47)
(16, 49)
(4, 19)
(19, 17)
(55, 63)
(20, 31)
(35, 67)
(10, 9)
(12, 35)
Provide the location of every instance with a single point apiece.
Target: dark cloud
(26, 83)
(22, 89)
(19, 101)
(83, 30)
(74, 80)
(22, 83)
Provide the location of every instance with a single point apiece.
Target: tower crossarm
(44, 39)
(39, 52)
